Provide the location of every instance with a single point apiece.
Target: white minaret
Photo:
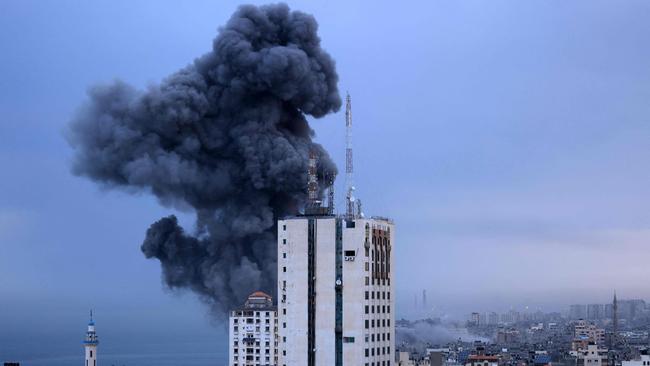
(91, 342)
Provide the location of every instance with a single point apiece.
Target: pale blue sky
(509, 140)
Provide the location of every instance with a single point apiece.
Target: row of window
(251, 320)
(250, 358)
(241, 313)
(383, 309)
(379, 351)
(382, 363)
(257, 343)
(251, 350)
(267, 329)
(383, 323)
(382, 282)
(385, 295)
(372, 338)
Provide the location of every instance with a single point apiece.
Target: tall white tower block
(336, 301)
(91, 342)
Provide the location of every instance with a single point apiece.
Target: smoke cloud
(225, 137)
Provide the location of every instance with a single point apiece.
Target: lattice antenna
(349, 169)
(330, 195)
(312, 182)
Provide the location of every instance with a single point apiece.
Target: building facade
(592, 356)
(253, 332)
(644, 360)
(584, 330)
(335, 289)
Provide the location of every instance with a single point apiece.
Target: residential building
(253, 332)
(593, 355)
(588, 331)
(643, 361)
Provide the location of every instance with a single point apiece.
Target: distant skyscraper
(335, 282)
(475, 319)
(493, 318)
(253, 332)
(91, 342)
(595, 311)
(614, 321)
(578, 311)
(424, 299)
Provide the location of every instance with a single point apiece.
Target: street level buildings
(592, 356)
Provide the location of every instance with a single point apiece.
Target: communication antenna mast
(330, 195)
(349, 191)
(312, 182)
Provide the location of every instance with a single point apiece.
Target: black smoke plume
(226, 137)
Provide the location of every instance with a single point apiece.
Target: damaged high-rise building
(335, 283)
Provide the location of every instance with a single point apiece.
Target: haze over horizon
(508, 140)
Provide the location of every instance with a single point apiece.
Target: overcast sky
(510, 141)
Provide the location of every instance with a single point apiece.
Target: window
(367, 313)
(284, 269)
(366, 295)
(284, 241)
(348, 339)
(284, 227)
(350, 253)
(284, 255)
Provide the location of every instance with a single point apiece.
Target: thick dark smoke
(225, 137)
